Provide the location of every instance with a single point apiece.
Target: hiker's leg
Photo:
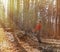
(38, 36)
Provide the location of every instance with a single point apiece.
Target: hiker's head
(39, 21)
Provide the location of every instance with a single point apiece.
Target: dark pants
(38, 36)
